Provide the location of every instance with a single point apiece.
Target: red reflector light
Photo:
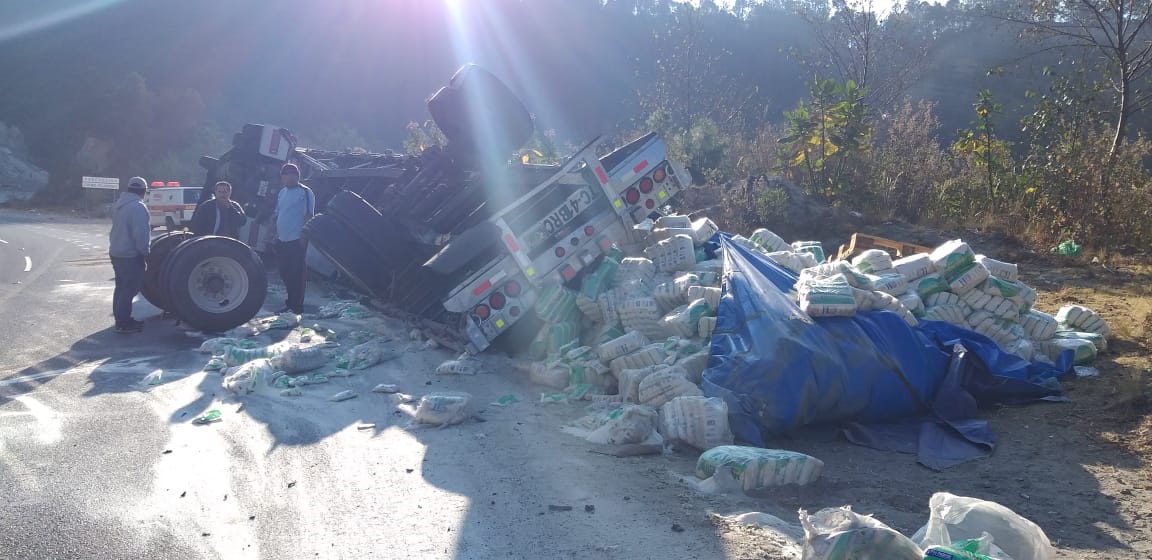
(659, 175)
(514, 311)
(482, 288)
(645, 185)
(589, 230)
(511, 241)
(512, 289)
(497, 301)
(640, 166)
(569, 273)
(649, 204)
(600, 174)
(632, 196)
(482, 312)
(559, 251)
(605, 244)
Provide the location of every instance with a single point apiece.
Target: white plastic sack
(1000, 269)
(1083, 319)
(443, 409)
(703, 230)
(253, 376)
(954, 518)
(665, 385)
(951, 257)
(634, 269)
(711, 295)
(769, 241)
(629, 424)
(675, 253)
(641, 314)
(650, 355)
(966, 278)
(792, 261)
(706, 327)
(217, 346)
(683, 320)
(831, 297)
(842, 534)
(890, 282)
(760, 468)
(701, 422)
(914, 267)
(873, 261)
(369, 354)
(941, 298)
(620, 346)
(1039, 325)
(930, 284)
(296, 359)
(673, 221)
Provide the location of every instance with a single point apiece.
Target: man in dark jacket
(219, 215)
(128, 249)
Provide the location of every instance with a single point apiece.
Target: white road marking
(4, 242)
(27, 263)
(49, 431)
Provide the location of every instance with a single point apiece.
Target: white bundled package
(675, 253)
(830, 297)
(1028, 295)
(1083, 351)
(710, 294)
(892, 283)
(683, 320)
(929, 285)
(839, 269)
(641, 314)
(1083, 319)
(631, 378)
(792, 261)
(1000, 269)
(668, 295)
(1012, 291)
(951, 257)
(941, 298)
(913, 303)
(996, 305)
(620, 346)
(665, 385)
(609, 303)
(769, 241)
(955, 314)
(650, 355)
(701, 422)
(706, 327)
(873, 261)
(967, 277)
(914, 267)
(694, 364)
(1039, 325)
(703, 230)
(673, 221)
(634, 270)
(760, 468)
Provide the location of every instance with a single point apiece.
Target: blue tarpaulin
(909, 389)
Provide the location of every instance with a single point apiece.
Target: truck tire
(215, 283)
(352, 254)
(158, 251)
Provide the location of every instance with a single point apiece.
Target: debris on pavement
(342, 396)
(208, 417)
(387, 388)
(506, 400)
(368, 354)
(443, 409)
(759, 468)
(461, 366)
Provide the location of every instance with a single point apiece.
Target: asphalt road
(96, 464)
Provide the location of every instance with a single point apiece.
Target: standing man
(219, 215)
(295, 205)
(128, 248)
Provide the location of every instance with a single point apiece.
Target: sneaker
(127, 329)
(138, 323)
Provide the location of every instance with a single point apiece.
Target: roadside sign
(109, 183)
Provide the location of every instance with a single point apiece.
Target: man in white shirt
(295, 205)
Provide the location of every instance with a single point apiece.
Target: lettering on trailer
(562, 216)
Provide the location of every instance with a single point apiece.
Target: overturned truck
(457, 238)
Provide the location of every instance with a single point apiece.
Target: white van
(171, 206)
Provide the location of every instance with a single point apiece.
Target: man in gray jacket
(128, 249)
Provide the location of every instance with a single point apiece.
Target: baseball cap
(290, 169)
(138, 183)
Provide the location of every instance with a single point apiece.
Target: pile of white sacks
(633, 338)
(952, 284)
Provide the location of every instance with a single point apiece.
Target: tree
(1117, 30)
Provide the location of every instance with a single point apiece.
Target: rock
(19, 178)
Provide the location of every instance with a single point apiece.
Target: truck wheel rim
(218, 284)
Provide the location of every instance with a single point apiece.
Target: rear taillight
(659, 175)
(646, 185)
(497, 301)
(632, 196)
(512, 289)
(482, 312)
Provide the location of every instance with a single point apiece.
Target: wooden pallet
(861, 242)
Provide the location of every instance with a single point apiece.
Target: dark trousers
(290, 258)
(129, 278)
